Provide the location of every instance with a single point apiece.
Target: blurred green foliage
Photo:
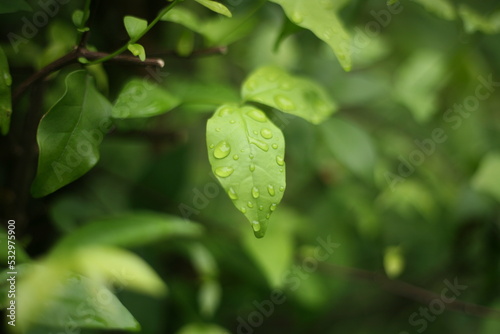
(402, 181)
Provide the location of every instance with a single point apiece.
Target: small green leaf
(77, 17)
(215, 6)
(294, 95)
(185, 45)
(5, 95)
(135, 26)
(486, 178)
(140, 98)
(474, 21)
(246, 151)
(137, 50)
(201, 328)
(442, 8)
(209, 297)
(351, 145)
(70, 133)
(322, 20)
(129, 230)
(12, 6)
(394, 261)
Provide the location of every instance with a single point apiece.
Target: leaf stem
(133, 40)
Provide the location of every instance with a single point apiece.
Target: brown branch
(216, 50)
(72, 58)
(410, 291)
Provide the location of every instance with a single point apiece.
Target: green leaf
(217, 31)
(12, 6)
(351, 145)
(294, 95)
(5, 95)
(322, 20)
(77, 17)
(137, 50)
(135, 26)
(201, 328)
(209, 298)
(418, 82)
(185, 17)
(185, 44)
(69, 135)
(486, 177)
(246, 151)
(69, 300)
(61, 40)
(215, 6)
(116, 266)
(474, 21)
(442, 8)
(129, 230)
(141, 98)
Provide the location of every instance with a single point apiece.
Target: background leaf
(473, 21)
(215, 6)
(351, 145)
(69, 300)
(246, 151)
(129, 230)
(442, 8)
(294, 95)
(486, 177)
(322, 20)
(5, 95)
(140, 98)
(69, 135)
(12, 6)
(134, 26)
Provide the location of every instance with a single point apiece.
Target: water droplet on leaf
(252, 167)
(232, 194)
(297, 17)
(257, 115)
(224, 171)
(255, 192)
(270, 190)
(273, 207)
(275, 146)
(279, 160)
(282, 189)
(250, 204)
(222, 150)
(266, 133)
(236, 157)
(284, 103)
(243, 210)
(256, 226)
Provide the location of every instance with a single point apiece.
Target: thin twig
(410, 291)
(216, 50)
(71, 58)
